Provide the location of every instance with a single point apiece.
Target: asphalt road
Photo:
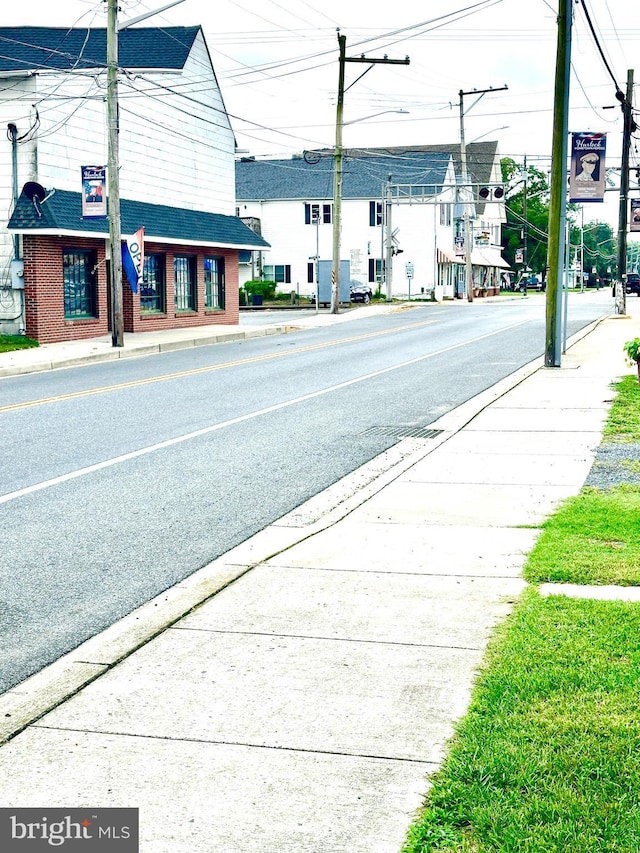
(121, 479)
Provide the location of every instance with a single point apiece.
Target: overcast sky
(277, 65)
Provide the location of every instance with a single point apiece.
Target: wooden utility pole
(113, 178)
(558, 200)
(338, 157)
(623, 215)
(337, 182)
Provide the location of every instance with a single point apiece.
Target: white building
(408, 195)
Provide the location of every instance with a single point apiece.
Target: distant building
(176, 181)
(409, 196)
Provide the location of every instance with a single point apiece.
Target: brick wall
(43, 290)
(44, 298)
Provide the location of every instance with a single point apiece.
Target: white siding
(16, 99)
(294, 243)
(176, 144)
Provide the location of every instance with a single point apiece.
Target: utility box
(17, 274)
(324, 282)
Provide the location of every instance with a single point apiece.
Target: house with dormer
(401, 219)
(176, 176)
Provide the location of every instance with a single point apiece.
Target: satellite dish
(34, 191)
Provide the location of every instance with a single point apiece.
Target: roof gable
(363, 175)
(29, 49)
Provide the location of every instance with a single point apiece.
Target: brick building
(177, 182)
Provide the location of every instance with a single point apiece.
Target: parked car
(361, 293)
(633, 283)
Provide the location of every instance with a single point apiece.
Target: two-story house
(293, 201)
(409, 196)
(176, 177)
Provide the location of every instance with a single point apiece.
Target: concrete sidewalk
(295, 694)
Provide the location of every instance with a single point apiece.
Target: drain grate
(403, 431)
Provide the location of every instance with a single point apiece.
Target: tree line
(525, 232)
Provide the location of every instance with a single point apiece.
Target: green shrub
(266, 289)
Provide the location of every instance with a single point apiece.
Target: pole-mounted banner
(94, 194)
(587, 176)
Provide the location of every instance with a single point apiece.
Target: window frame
(376, 214)
(214, 283)
(86, 304)
(158, 276)
(284, 271)
(185, 279)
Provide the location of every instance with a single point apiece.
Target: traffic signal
(491, 193)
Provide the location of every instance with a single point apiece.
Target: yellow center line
(208, 369)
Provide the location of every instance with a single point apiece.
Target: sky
(277, 66)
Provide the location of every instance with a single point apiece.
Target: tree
(527, 189)
(600, 248)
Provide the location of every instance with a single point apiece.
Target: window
(317, 213)
(282, 273)
(214, 283)
(184, 267)
(375, 213)
(376, 270)
(445, 214)
(79, 280)
(152, 292)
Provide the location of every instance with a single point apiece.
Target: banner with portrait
(94, 192)
(588, 168)
(634, 223)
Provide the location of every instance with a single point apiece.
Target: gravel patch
(615, 464)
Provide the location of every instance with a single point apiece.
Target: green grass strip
(623, 421)
(8, 343)
(547, 759)
(593, 538)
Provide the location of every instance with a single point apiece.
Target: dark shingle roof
(62, 213)
(63, 49)
(362, 177)
(481, 157)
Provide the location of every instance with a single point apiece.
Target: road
(123, 478)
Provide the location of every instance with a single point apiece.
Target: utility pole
(628, 127)
(558, 200)
(465, 183)
(525, 232)
(388, 258)
(338, 157)
(117, 326)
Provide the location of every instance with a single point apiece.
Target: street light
(384, 112)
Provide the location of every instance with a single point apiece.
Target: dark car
(361, 293)
(633, 283)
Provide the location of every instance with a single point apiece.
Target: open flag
(133, 258)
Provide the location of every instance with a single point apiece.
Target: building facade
(176, 176)
(401, 219)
